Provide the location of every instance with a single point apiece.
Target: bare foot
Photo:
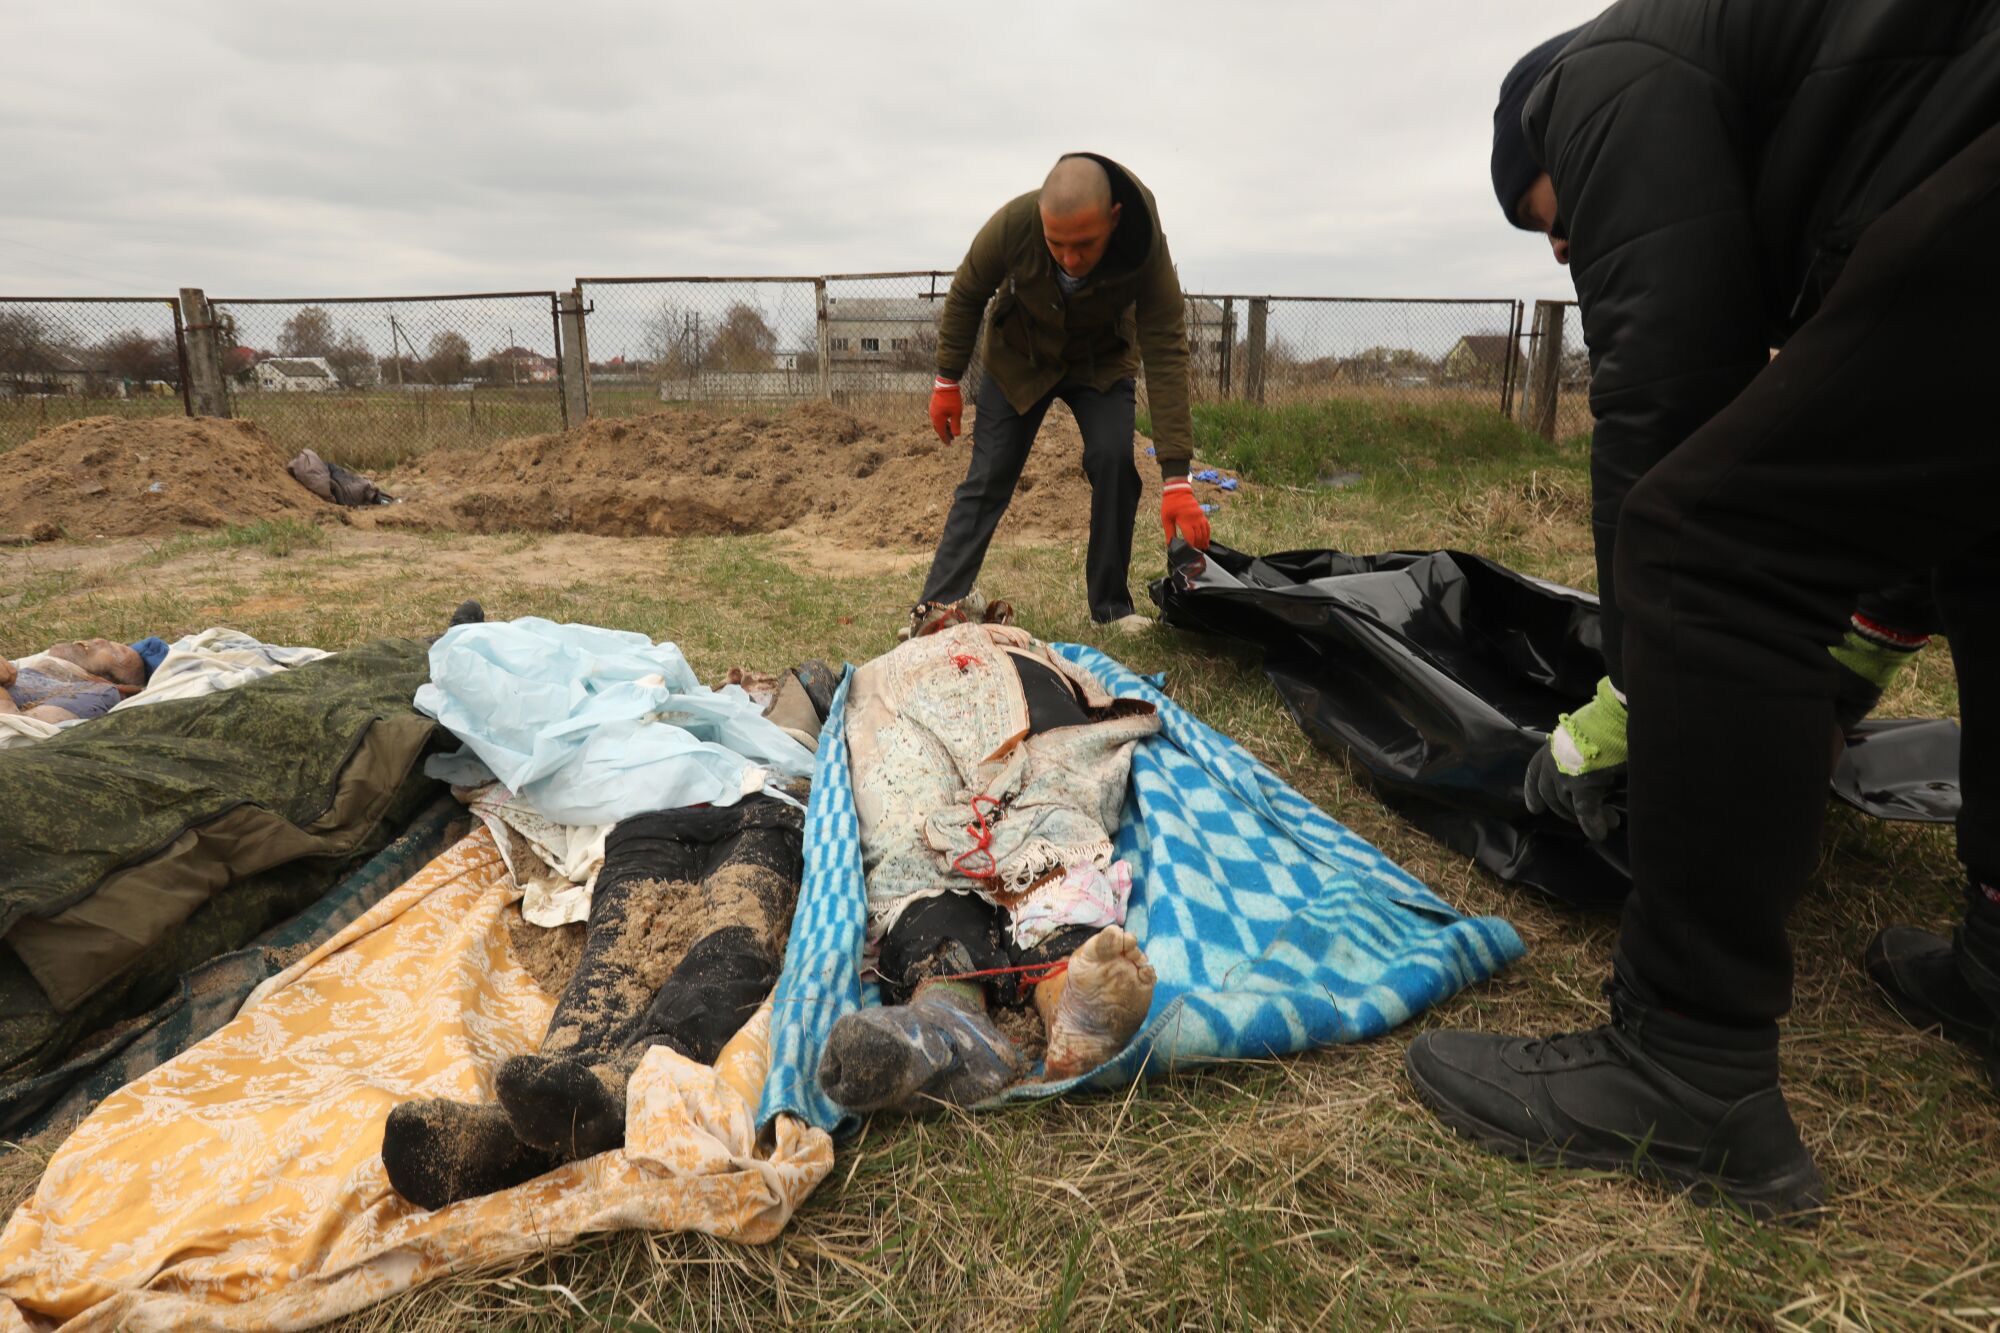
(1105, 994)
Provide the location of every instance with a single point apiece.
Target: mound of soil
(142, 476)
(817, 469)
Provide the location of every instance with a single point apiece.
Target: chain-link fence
(370, 382)
(1277, 350)
(65, 358)
(865, 341)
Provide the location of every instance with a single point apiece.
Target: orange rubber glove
(1179, 509)
(947, 408)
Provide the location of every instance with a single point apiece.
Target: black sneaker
(1934, 981)
(1598, 1100)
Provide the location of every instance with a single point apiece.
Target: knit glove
(947, 408)
(1180, 510)
(1582, 764)
(1872, 655)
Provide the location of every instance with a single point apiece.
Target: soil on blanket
(548, 953)
(146, 476)
(818, 470)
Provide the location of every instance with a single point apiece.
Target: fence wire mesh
(62, 359)
(371, 382)
(1573, 377)
(661, 343)
(1279, 350)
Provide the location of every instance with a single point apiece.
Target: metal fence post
(823, 342)
(575, 352)
(208, 393)
(1253, 368)
(1228, 346)
(1544, 374)
(1512, 372)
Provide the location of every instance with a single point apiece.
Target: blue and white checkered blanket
(1273, 929)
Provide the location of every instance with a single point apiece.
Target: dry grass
(1310, 1192)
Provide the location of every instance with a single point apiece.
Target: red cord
(981, 833)
(1042, 971)
(964, 662)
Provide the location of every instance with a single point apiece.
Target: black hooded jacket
(1714, 163)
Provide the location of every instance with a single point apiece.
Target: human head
(110, 661)
(1078, 215)
(1516, 172)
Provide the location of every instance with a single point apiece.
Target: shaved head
(1076, 185)
(1078, 215)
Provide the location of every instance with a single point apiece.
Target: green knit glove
(1582, 765)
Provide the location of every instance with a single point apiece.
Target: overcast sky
(357, 148)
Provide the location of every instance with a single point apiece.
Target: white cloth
(554, 865)
(215, 660)
(591, 726)
(18, 729)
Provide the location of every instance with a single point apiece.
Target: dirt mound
(140, 476)
(818, 469)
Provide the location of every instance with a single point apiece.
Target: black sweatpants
(1866, 453)
(1001, 438)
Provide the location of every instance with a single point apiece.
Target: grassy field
(1300, 1193)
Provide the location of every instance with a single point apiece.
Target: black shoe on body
(1690, 1103)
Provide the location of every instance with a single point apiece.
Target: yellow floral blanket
(240, 1185)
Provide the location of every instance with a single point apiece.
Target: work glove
(1582, 764)
(1179, 509)
(947, 409)
(1871, 656)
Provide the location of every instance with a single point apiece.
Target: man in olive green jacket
(1083, 291)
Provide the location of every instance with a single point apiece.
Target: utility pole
(396, 349)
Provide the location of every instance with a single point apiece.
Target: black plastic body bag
(1441, 673)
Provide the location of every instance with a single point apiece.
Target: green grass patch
(272, 536)
(1314, 444)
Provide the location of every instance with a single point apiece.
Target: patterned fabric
(209, 996)
(240, 1185)
(821, 978)
(1273, 928)
(943, 720)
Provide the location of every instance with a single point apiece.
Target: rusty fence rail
(64, 358)
(371, 381)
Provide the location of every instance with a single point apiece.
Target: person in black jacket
(1822, 177)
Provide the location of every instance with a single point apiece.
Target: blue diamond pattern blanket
(1273, 928)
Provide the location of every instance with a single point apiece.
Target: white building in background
(294, 374)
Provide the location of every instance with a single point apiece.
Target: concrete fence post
(575, 358)
(823, 341)
(1545, 371)
(208, 392)
(1253, 350)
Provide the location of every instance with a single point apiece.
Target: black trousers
(1001, 438)
(1866, 454)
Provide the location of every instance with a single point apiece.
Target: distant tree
(352, 362)
(132, 355)
(677, 340)
(744, 341)
(308, 333)
(449, 358)
(24, 342)
(919, 350)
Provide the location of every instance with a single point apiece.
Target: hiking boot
(1691, 1103)
(1947, 982)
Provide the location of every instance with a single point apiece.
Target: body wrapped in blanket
(989, 777)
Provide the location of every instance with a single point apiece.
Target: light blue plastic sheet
(592, 725)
